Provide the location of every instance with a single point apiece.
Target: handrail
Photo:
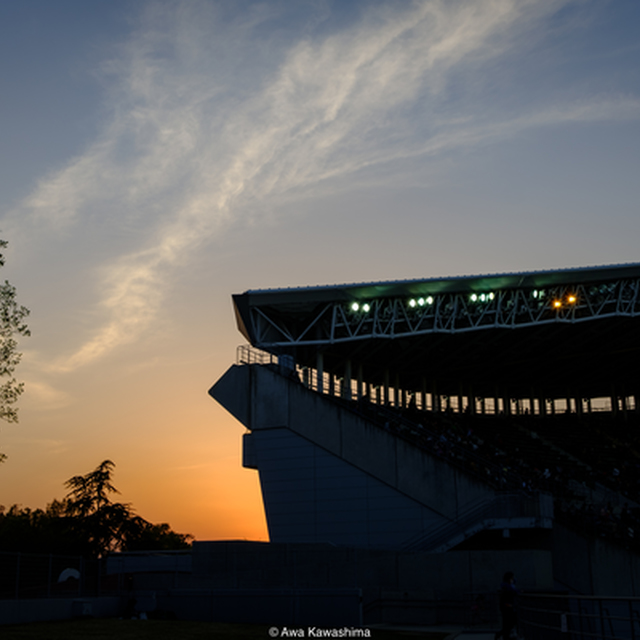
(561, 616)
(507, 505)
(246, 354)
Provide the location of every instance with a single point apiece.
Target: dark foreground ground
(99, 629)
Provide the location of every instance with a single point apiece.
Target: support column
(435, 399)
(532, 402)
(506, 403)
(542, 406)
(614, 403)
(346, 389)
(472, 402)
(578, 401)
(320, 371)
(359, 382)
(385, 394)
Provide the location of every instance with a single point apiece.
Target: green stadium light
(474, 297)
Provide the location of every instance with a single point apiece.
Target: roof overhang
(543, 333)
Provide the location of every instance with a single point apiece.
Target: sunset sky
(157, 157)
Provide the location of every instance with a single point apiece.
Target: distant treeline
(86, 522)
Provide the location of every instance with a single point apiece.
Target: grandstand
(495, 415)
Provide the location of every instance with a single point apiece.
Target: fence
(568, 617)
(33, 575)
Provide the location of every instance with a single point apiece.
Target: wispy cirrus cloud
(211, 114)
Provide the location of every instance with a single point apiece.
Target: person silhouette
(508, 593)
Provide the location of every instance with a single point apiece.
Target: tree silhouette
(86, 522)
(113, 526)
(90, 493)
(12, 324)
(88, 501)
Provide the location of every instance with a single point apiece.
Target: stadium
(415, 439)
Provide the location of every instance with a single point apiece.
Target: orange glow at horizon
(178, 453)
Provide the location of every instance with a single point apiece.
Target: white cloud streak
(211, 117)
(44, 397)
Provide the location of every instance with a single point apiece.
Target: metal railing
(478, 517)
(246, 354)
(330, 384)
(570, 617)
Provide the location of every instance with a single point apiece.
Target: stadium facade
(427, 416)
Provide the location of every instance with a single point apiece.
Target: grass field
(109, 629)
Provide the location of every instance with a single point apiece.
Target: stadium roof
(570, 332)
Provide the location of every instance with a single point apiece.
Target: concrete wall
(593, 566)
(47, 609)
(348, 481)
(139, 561)
(326, 585)
(452, 574)
(311, 495)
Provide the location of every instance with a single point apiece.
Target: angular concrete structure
(329, 475)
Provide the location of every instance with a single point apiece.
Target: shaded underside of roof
(509, 341)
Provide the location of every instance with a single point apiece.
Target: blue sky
(157, 157)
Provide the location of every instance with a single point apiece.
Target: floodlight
(491, 296)
(557, 303)
(355, 306)
(421, 302)
(365, 307)
(412, 303)
(474, 297)
(483, 297)
(429, 300)
(571, 299)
